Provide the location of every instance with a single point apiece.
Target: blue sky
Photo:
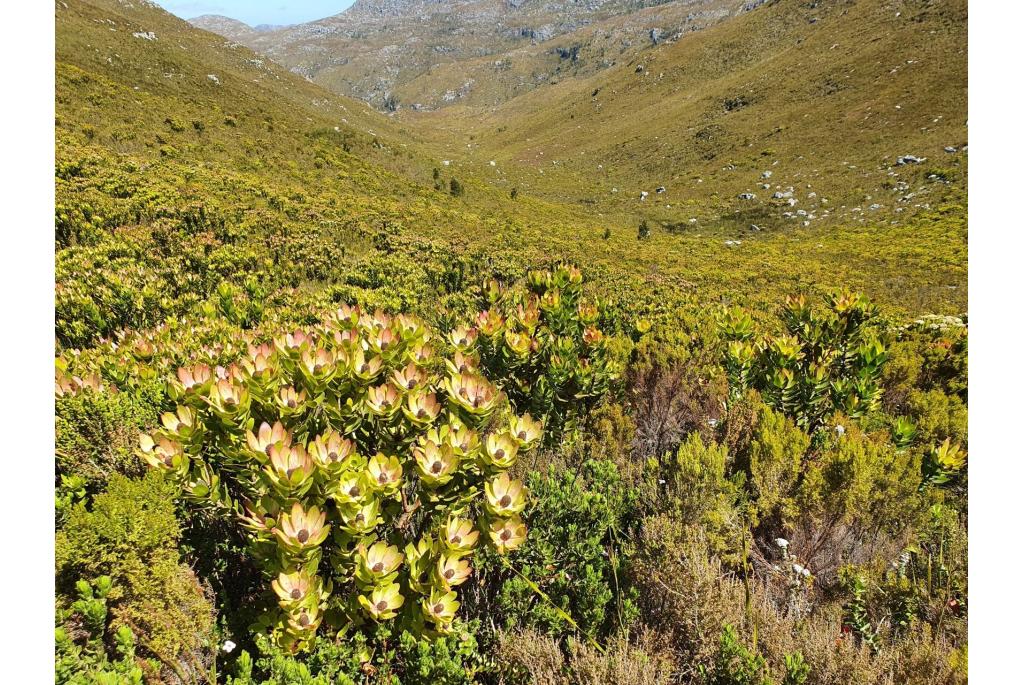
(254, 12)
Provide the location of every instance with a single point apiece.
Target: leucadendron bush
(365, 466)
(546, 345)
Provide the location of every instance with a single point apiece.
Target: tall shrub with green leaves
(829, 360)
(544, 345)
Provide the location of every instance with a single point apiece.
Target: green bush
(82, 636)
(578, 522)
(385, 657)
(97, 430)
(130, 534)
(827, 361)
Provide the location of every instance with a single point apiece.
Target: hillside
(224, 26)
(651, 371)
(376, 49)
(790, 101)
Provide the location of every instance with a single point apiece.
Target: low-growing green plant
(129, 535)
(82, 656)
(577, 521)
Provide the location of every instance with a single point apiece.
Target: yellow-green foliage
(777, 455)
(130, 534)
(97, 430)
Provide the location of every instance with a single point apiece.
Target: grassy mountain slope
(823, 96)
(377, 47)
(224, 26)
(346, 198)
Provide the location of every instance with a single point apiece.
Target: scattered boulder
(643, 195)
(747, 196)
(766, 174)
(909, 159)
(950, 149)
(659, 190)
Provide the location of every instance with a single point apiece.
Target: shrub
(643, 232)
(829, 361)
(97, 429)
(383, 657)
(544, 347)
(130, 534)
(455, 188)
(81, 654)
(530, 657)
(371, 454)
(572, 555)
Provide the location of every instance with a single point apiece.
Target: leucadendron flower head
(463, 363)
(332, 452)
(268, 436)
(182, 425)
(452, 570)
(377, 563)
(490, 322)
(440, 608)
(293, 344)
(383, 400)
(507, 534)
(385, 473)
(526, 430)
(317, 366)
(304, 620)
(296, 587)
(472, 392)
(436, 464)
(300, 530)
(419, 563)
(459, 536)
(505, 497)
(230, 402)
(362, 368)
(463, 338)
(360, 519)
(192, 382)
(383, 602)
(518, 343)
(164, 454)
(290, 402)
(500, 450)
(421, 408)
(290, 470)
(352, 487)
(409, 378)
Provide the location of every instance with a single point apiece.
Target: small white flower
(798, 569)
(782, 542)
(840, 430)
(661, 481)
(228, 646)
(806, 572)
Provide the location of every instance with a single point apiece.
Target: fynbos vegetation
(331, 408)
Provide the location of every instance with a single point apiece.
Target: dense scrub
(669, 471)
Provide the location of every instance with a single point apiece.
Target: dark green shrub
(97, 431)
(130, 534)
(82, 656)
(573, 553)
